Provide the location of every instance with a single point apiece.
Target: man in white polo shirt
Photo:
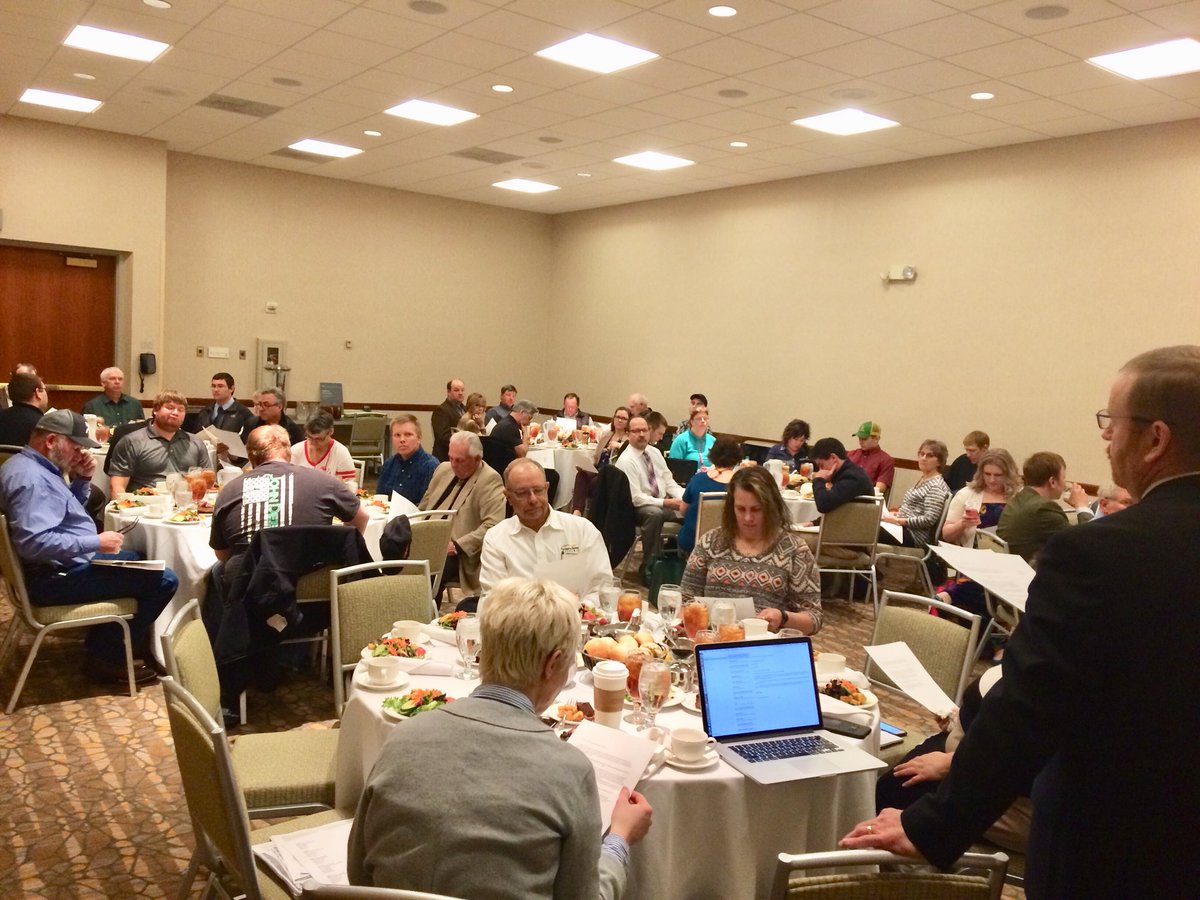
(539, 536)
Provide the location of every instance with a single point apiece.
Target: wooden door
(60, 317)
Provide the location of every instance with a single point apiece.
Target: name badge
(568, 550)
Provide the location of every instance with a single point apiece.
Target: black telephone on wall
(147, 365)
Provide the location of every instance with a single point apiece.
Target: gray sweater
(479, 799)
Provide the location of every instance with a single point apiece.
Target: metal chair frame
(866, 543)
(993, 865)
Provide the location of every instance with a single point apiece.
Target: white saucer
(360, 679)
(691, 704)
(710, 757)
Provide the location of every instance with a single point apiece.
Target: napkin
(438, 633)
(418, 666)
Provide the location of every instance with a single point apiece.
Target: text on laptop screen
(760, 687)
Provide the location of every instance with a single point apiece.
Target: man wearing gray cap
(56, 540)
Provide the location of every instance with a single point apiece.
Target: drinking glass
(466, 635)
(695, 617)
(654, 686)
(706, 636)
(551, 430)
(669, 599)
(182, 492)
(610, 594)
(634, 662)
(723, 613)
(534, 428)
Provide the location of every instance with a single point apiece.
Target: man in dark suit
(445, 417)
(29, 400)
(1089, 709)
(225, 412)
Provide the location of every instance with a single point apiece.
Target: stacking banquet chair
(1002, 618)
(366, 439)
(962, 884)
(915, 556)
(344, 892)
(430, 538)
(45, 620)
(362, 610)
(220, 820)
(708, 516)
(847, 541)
(283, 773)
(682, 470)
(360, 472)
(7, 450)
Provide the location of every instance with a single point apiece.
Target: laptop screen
(753, 688)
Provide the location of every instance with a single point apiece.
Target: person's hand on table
(926, 767)
(884, 832)
(773, 616)
(631, 816)
(111, 541)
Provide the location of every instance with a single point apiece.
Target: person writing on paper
(56, 541)
(754, 554)
(538, 536)
(410, 467)
(501, 826)
(1112, 803)
(320, 451)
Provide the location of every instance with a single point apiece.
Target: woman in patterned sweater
(753, 554)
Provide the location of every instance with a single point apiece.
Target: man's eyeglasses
(1104, 418)
(526, 493)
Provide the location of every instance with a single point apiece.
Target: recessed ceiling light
(854, 93)
(738, 144)
(596, 54)
(652, 159)
(525, 186)
(370, 133)
(1156, 61)
(114, 43)
(732, 93)
(60, 101)
(157, 4)
(324, 148)
(283, 81)
(845, 121)
(84, 76)
(429, 7)
(550, 139)
(431, 113)
(722, 12)
(983, 95)
(1048, 11)
(502, 88)
(584, 174)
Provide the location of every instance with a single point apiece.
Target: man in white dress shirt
(538, 536)
(656, 496)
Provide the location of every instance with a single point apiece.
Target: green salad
(416, 701)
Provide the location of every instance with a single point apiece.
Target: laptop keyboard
(785, 748)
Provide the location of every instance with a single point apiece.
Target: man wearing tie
(225, 412)
(465, 483)
(656, 496)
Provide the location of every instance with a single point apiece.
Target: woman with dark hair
(922, 505)
(608, 445)
(793, 446)
(753, 554)
(723, 458)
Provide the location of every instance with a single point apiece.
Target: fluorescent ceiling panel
(324, 148)
(596, 54)
(845, 121)
(1156, 61)
(114, 43)
(431, 113)
(525, 186)
(652, 159)
(60, 101)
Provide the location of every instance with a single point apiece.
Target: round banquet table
(799, 509)
(563, 460)
(716, 833)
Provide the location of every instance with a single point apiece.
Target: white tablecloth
(716, 833)
(564, 462)
(99, 477)
(799, 509)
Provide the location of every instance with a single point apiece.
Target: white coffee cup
(830, 664)
(608, 694)
(689, 744)
(407, 628)
(755, 627)
(382, 669)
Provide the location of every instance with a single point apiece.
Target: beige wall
(1042, 267)
(425, 288)
(81, 189)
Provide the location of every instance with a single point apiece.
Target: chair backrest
(214, 800)
(682, 470)
(853, 525)
(708, 516)
(957, 885)
(367, 432)
(360, 472)
(117, 436)
(354, 892)
(8, 450)
(989, 540)
(189, 658)
(362, 610)
(343, 430)
(944, 647)
(430, 538)
(14, 576)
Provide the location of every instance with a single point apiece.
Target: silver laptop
(760, 703)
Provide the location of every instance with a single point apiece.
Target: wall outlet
(200, 352)
(241, 354)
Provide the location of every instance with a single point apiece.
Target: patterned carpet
(95, 806)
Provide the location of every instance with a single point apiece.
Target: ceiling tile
(316, 13)
(1010, 58)
(1084, 123)
(1107, 36)
(872, 17)
(517, 32)
(346, 48)
(373, 25)
(230, 46)
(954, 34)
(1058, 80)
(799, 35)
(1149, 113)
(927, 76)
(728, 56)
(658, 34)
(794, 76)
(866, 57)
(482, 54)
(1122, 95)
(1031, 112)
(255, 26)
(1182, 18)
(1011, 14)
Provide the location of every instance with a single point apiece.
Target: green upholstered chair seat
(286, 768)
(48, 615)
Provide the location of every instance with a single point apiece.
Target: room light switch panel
(218, 353)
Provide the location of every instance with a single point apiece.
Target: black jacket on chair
(612, 513)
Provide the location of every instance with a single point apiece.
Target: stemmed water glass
(466, 635)
(654, 685)
(669, 599)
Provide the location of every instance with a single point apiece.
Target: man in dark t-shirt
(509, 430)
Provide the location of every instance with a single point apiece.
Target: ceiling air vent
(481, 154)
(239, 105)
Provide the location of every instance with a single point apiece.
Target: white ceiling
(915, 61)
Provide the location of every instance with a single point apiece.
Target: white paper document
(400, 505)
(564, 424)
(896, 531)
(571, 572)
(310, 856)
(1005, 575)
(619, 759)
(147, 565)
(907, 673)
(230, 439)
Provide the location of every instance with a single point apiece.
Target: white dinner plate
(170, 521)
(393, 715)
(691, 703)
(709, 757)
(360, 678)
(673, 699)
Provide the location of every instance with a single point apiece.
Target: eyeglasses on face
(526, 493)
(1104, 418)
